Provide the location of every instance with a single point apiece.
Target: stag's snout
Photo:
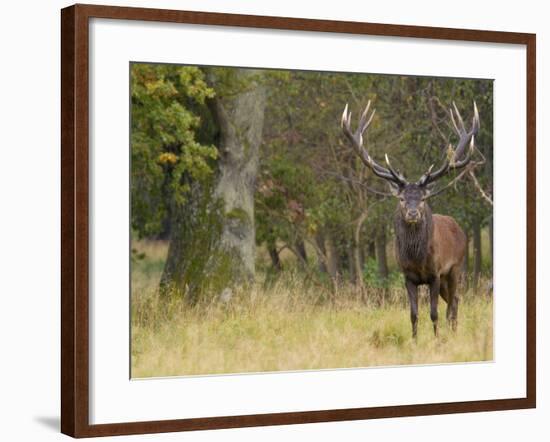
(413, 216)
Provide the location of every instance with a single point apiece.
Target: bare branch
(355, 181)
(483, 194)
(435, 122)
(456, 179)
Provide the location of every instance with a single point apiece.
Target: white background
(115, 399)
(29, 226)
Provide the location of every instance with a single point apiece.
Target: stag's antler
(454, 159)
(356, 139)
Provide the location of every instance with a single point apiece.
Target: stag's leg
(412, 291)
(446, 295)
(444, 290)
(435, 286)
(452, 308)
(450, 296)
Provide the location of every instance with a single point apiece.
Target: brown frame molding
(74, 219)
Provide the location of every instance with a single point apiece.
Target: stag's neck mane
(413, 240)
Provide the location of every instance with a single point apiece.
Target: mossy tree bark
(212, 244)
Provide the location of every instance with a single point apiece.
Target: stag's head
(413, 195)
(411, 202)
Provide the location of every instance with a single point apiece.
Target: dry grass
(290, 326)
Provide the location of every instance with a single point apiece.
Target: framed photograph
(272, 221)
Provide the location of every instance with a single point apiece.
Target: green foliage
(230, 82)
(286, 187)
(374, 280)
(166, 156)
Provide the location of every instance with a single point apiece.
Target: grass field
(291, 326)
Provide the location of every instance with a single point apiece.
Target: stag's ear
(394, 189)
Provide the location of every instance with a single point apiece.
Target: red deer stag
(430, 248)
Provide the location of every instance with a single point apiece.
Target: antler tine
(344, 116)
(451, 113)
(475, 119)
(460, 120)
(356, 139)
(365, 120)
(460, 164)
(465, 139)
(395, 173)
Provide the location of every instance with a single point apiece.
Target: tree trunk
(343, 255)
(274, 255)
(477, 254)
(333, 259)
(351, 262)
(320, 242)
(357, 258)
(371, 249)
(213, 245)
(380, 242)
(300, 250)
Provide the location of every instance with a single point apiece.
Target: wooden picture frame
(75, 220)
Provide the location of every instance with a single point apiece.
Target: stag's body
(430, 252)
(430, 248)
